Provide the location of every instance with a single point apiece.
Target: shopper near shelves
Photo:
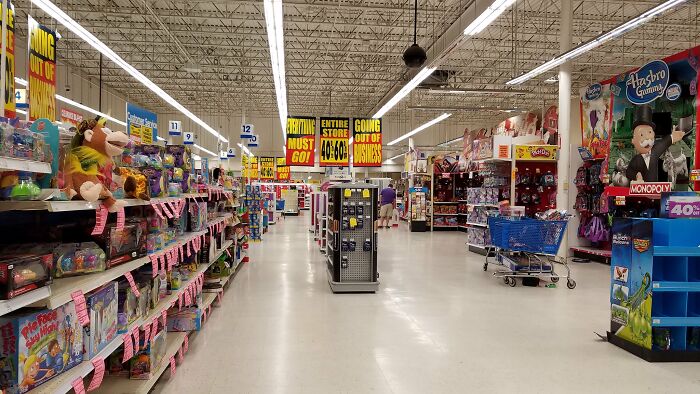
(388, 203)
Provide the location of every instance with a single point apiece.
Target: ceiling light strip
(205, 150)
(601, 39)
(452, 141)
(245, 149)
(421, 128)
(488, 16)
(274, 15)
(415, 81)
(60, 16)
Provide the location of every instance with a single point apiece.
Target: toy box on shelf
(418, 208)
(37, 346)
(253, 202)
(655, 288)
(103, 310)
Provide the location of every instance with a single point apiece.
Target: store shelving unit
(81, 205)
(15, 164)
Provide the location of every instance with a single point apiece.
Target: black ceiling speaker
(415, 56)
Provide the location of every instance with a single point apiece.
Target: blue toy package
(38, 345)
(156, 183)
(102, 309)
(153, 153)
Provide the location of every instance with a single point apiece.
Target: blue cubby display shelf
(665, 252)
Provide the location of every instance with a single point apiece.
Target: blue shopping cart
(525, 247)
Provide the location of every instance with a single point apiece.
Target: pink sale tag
(180, 300)
(180, 357)
(186, 344)
(173, 208)
(135, 333)
(182, 206)
(164, 316)
(156, 208)
(228, 253)
(98, 374)
(161, 259)
(189, 248)
(172, 365)
(100, 220)
(78, 385)
(218, 296)
(146, 332)
(80, 307)
(134, 288)
(128, 347)
(165, 209)
(120, 219)
(154, 265)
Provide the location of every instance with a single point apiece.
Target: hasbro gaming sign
(648, 83)
(593, 92)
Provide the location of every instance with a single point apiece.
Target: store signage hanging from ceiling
(253, 171)
(42, 71)
(223, 155)
(252, 141)
(70, 117)
(142, 124)
(245, 166)
(246, 131)
(174, 127)
(648, 83)
(367, 142)
(283, 173)
(10, 62)
(231, 152)
(301, 141)
(334, 140)
(267, 167)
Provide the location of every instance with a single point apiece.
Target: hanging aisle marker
(100, 220)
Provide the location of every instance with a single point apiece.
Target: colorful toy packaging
(38, 345)
(78, 258)
(24, 272)
(128, 307)
(102, 308)
(187, 319)
(198, 215)
(125, 245)
(146, 362)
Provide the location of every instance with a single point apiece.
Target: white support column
(564, 120)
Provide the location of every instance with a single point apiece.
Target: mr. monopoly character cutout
(644, 166)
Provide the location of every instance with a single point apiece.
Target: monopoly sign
(648, 83)
(649, 188)
(536, 152)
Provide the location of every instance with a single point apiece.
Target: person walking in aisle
(388, 203)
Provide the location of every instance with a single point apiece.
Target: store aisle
(439, 324)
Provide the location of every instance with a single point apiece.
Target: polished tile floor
(439, 324)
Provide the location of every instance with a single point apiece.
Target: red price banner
(367, 143)
(283, 173)
(301, 141)
(334, 142)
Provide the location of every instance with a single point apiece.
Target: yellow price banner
(267, 167)
(335, 142)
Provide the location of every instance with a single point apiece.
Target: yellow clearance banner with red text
(10, 63)
(334, 140)
(301, 141)
(267, 167)
(253, 171)
(367, 142)
(42, 71)
(283, 173)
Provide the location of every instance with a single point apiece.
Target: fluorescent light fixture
(455, 109)
(488, 16)
(421, 128)
(475, 91)
(551, 80)
(397, 156)
(405, 90)
(60, 16)
(159, 138)
(245, 149)
(274, 14)
(452, 141)
(594, 43)
(23, 82)
(205, 150)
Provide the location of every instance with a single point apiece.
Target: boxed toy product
(198, 215)
(102, 309)
(187, 319)
(21, 273)
(127, 307)
(78, 258)
(124, 245)
(37, 345)
(146, 362)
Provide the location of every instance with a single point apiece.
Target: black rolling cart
(352, 238)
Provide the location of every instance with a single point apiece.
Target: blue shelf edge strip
(676, 286)
(676, 251)
(662, 321)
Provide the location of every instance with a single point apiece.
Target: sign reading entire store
(283, 173)
(334, 141)
(301, 141)
(267, 167)
(367, 145)
(42, 71)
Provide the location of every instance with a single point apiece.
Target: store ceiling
(344, 56)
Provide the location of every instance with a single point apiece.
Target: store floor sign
(684, 207)
(649, 188)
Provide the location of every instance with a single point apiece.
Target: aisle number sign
(334, 141)
(367, 142)
(175, 127)
(301, 141)
(246, 131)
(267, 167)
(42, 71)
(231, 152)
(283, 173)
(188, 138)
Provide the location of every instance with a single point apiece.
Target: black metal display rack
(352, 238)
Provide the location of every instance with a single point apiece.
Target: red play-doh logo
(539, 152)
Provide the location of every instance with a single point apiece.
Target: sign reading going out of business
(42, 71)
(367, 142)
(141, 124)
(301, 141)
(334, 137)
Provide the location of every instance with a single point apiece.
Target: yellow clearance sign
(254, 171)
(10, 63)
(245, 165)
(335, 137)
(367, 144)
(42, 71)
(283, 173)
(267, 168)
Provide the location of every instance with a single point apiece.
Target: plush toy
(92, 148)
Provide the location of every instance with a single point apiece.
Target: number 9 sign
(188, 138)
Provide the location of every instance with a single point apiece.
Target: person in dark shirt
(387, 205)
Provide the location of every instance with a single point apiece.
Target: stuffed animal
(92, 148)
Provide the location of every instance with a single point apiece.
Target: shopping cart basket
(526, 247)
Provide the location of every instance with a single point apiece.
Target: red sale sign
(301, 141)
